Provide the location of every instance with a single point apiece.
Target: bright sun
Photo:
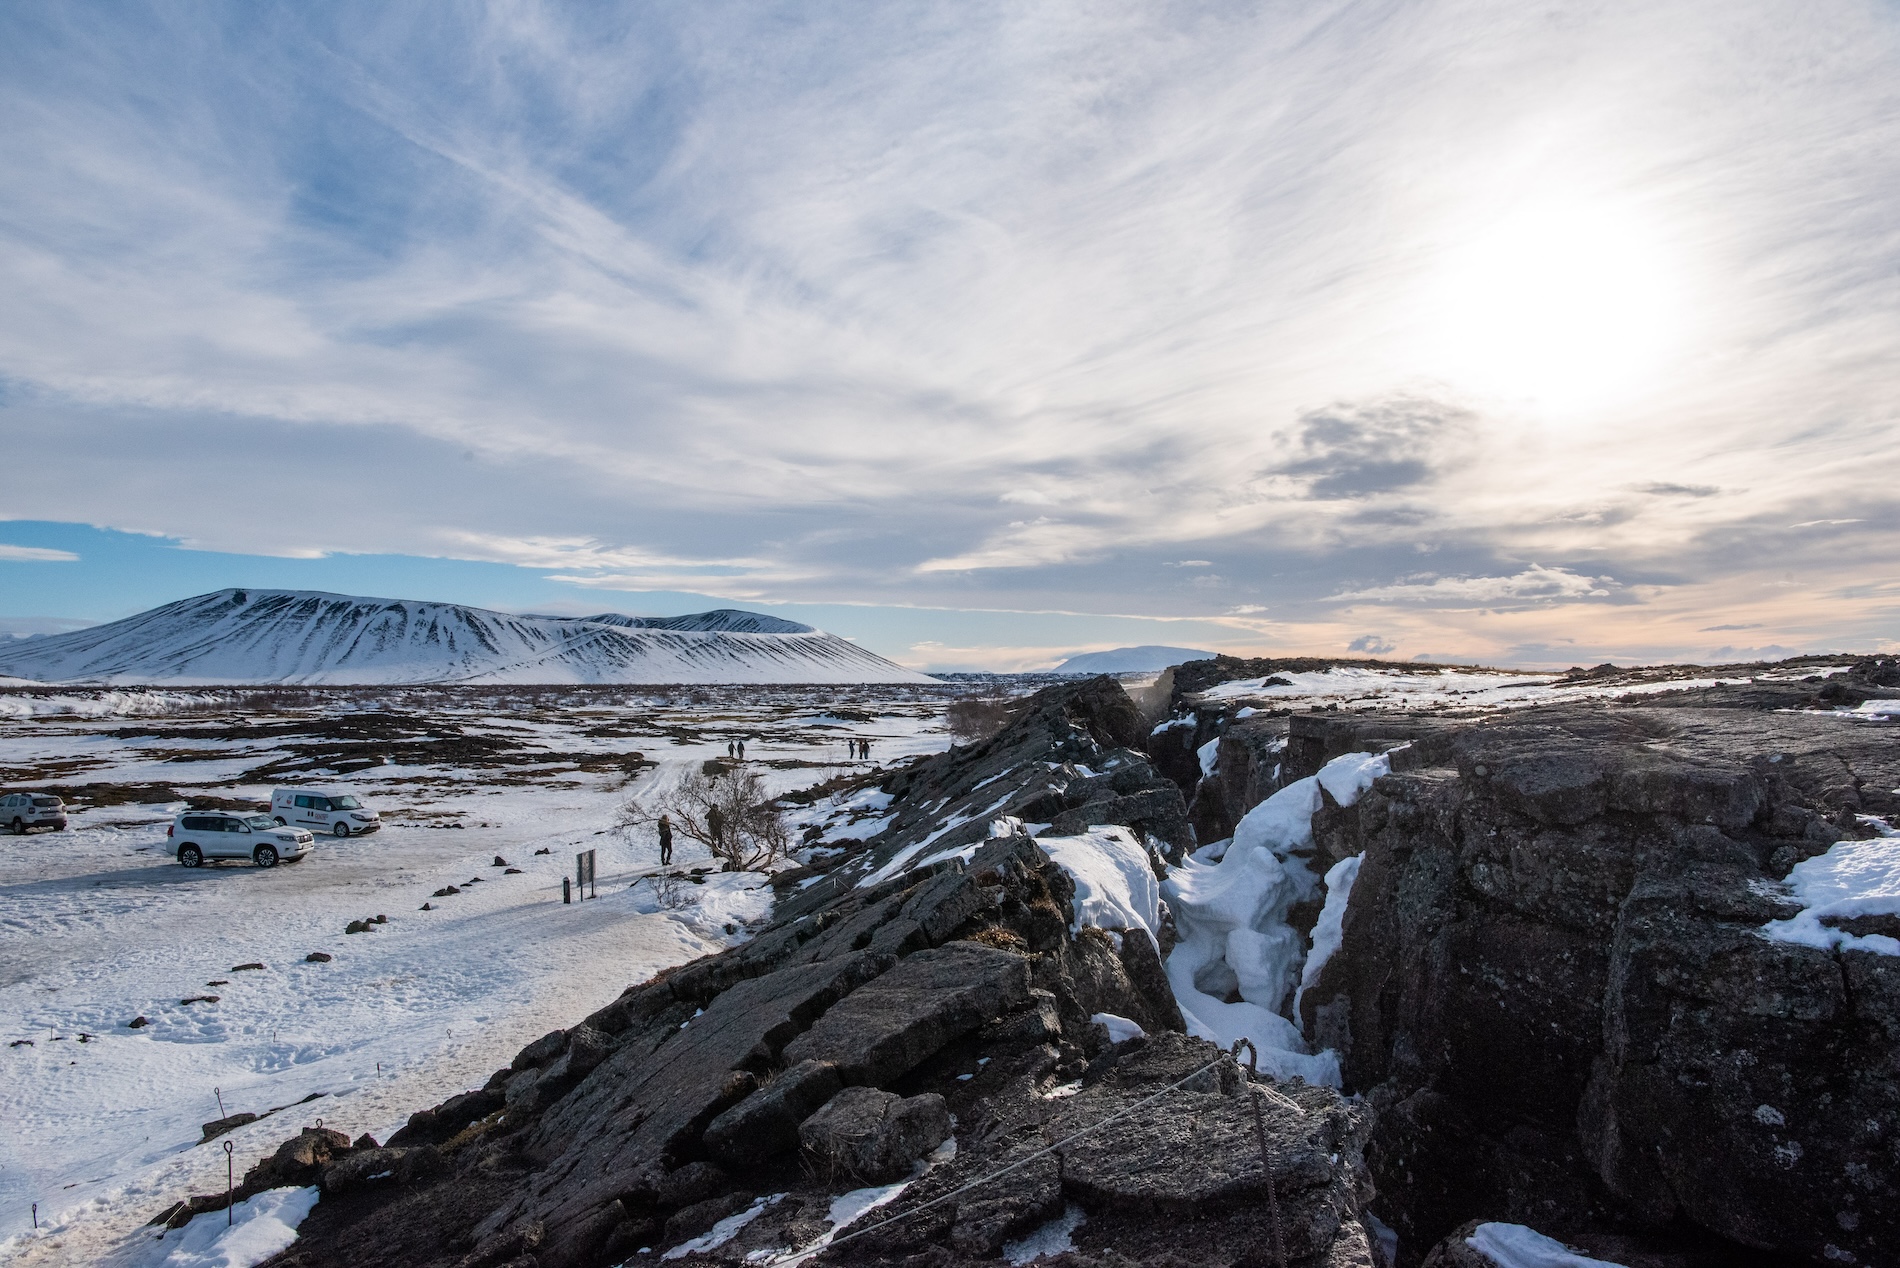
(1570, 306)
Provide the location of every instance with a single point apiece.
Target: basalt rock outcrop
(921, 1009)
(1555, 992)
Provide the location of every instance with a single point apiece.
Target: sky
(1522, 333)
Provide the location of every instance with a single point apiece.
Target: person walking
(742, 750)
(666, 841)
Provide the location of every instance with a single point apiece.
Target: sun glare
(1568, 306)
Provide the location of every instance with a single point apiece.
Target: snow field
(98, 925)
(1363, 689)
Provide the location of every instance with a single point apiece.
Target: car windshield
(345, 803)
(260, 821)
(46, 801)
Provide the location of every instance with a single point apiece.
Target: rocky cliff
(929, 1013)
(1556, 991)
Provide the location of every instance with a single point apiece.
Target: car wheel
(341, 829)
(265, 855)
(279, 821)
(190, 856)
(19, 828)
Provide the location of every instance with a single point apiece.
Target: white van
(321, 810)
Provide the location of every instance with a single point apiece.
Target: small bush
(972, 718)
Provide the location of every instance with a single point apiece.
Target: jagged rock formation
(936, 978)
(1555, 992)
(1552, 991)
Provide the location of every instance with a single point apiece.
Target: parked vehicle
(198, 836)
(22, 812)
(321, 810)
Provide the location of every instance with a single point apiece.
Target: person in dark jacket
(666, 841)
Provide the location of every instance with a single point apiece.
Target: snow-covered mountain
(1130, 660)
(305, 636)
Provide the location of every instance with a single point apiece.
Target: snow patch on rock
(1515, 1246)
(1115, 886)
(1330, 931)
(1854, 878)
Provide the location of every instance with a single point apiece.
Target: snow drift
(308, 637)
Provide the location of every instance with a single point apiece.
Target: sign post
(584, 874)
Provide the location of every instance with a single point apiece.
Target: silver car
(22, 812)
(201, 836)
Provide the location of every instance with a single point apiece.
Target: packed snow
(725, 1230)
(1854, 878)
(249, 1233)
(1231, 921)
(1515, 1246)
(309, 637)
(1209, 757)
(1330, 930)
(1120, 1029)
(1115, 886)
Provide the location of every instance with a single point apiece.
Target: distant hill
(719, 620)
(1130, 660)
(309, 637)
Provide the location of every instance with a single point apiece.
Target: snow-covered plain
(1363, 689)
(98, 926)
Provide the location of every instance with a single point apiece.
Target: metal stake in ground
(229, 1186)
(1266, 1164)
(1256, 1095)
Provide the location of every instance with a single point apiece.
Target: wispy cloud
(35, 555)
(1536, 584)
(976, 308)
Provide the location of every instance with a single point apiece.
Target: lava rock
(766, 1123)
(872, 1135)
(218, 1126)
(299, 1161)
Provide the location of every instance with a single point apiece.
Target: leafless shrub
(976, 717)
(728, 812)
(669, 887)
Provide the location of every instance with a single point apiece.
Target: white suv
(22, 812)
(323, 811)
(201, 835)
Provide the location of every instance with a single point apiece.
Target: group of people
(860, 748)
(735, 749)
